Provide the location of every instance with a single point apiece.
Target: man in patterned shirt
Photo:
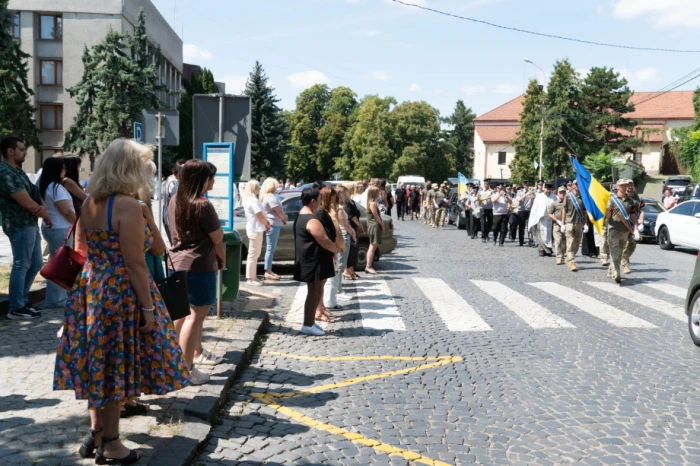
(20, 205)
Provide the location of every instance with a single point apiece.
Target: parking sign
(138, 131)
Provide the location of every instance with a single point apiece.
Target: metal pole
(160, 171)
(541, 141)
(219, 274)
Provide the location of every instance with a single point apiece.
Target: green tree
(120, 79)
(600, 164)
(16, 110)
(338, 117)
(527, 139)
(605, 98)
(462, 137)
(306, 122)
(688, 145)
(208, 83)
(269, 128)
(190, 86)
(371, 142)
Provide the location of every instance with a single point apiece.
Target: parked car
(413, 180)
(679, 226)
(291, 204)
(692, 191)
(456, 213)
(652, 209)
(692, 304)
(677, 184)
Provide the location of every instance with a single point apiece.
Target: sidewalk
(42, 426)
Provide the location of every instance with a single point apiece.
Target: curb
(35, 295)
(181, 449)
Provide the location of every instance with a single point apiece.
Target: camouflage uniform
(631, 244)
(555, 209)
(618, 236)
(574, 228)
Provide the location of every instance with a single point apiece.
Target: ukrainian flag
(595, 197)
(461, 184)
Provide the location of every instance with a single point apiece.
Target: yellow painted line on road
(359, 358)
(352, 436)
(356, 380)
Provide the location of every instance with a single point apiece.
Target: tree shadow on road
(10, 402)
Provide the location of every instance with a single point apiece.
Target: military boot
(559, 261)
(572, 266)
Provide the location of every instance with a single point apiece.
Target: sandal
(87, 449)
(100, 457)
(138, 409)
(207, 358)
(371, 271)
(349, 277)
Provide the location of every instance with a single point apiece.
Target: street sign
(221, 155)
(223, 118)
(138, 131)
(170, 127)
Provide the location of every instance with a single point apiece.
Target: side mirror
(697, 215)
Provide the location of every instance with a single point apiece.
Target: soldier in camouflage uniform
(555, 210)
(620, 224)
(574, 218)
(632, 244)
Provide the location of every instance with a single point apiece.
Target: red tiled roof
(653, 137)
(495, 134)
(676, 105)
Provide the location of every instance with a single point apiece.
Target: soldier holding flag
(621, 216)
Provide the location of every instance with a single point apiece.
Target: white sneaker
(207, 358)
(197, 377)
(313, 330)
(254, 283)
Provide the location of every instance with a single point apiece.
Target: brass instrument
(484, 197)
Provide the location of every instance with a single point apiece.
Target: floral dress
(102, 356)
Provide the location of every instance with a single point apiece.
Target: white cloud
(192, 53)
(646, 74)
(304, 79)
(415, 88)
(381, 76)
(504, 88)
(235, 84)
(367, 33)
(473, 90)
(661, 14)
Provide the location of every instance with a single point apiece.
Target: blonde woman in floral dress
(118, 341)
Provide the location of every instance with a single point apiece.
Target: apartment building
(55, 32)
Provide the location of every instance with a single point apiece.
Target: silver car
(291, 204)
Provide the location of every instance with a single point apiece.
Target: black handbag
(173, 290)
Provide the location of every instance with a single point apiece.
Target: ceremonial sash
(622, 210)
(578, 207)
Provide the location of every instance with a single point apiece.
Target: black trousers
(486, 222)
(500, 226)
(400, 210)
(523, 219)
(474, 226)
(513, 225)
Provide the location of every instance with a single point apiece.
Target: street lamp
(527, 60)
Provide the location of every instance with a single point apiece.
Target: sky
(381, 47)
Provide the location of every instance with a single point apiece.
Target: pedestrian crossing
(374, 307)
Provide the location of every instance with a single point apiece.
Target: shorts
(201, 287)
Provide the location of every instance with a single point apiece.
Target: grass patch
(5, 279)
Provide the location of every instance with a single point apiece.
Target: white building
(55, 32)
(496, 129)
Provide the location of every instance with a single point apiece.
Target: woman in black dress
(313, 257)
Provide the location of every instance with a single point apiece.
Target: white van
(412, 180)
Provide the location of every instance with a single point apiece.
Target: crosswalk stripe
(295, 316)
(635, 296)
(673, 290)
(532, 313)
(592, 306)
(454, 311)
(377, 306)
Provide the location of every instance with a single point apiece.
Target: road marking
(535, 315)
(377, 306)
(454, 311)
(352, 436)
(673, 290)
(357, 358)
(592, 306)
(295, 316)
(635, 296)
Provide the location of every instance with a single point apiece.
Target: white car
(679, 226)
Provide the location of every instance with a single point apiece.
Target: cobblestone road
(462, 353)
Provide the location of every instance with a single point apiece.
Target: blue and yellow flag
(595, 197)
(461, 184)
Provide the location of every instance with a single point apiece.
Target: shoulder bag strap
(72, 228)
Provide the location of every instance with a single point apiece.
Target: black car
(691, 192)
(652, 209)
(456, 213)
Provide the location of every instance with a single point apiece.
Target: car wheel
(665, 239)
(694, 319)
(362, 249)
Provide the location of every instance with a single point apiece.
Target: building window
(14, 28)
(501, 158)
(51, 72)
(638, 157)
(51, 116)
(48, 153)
(50, 27)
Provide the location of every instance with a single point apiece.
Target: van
(414, 180)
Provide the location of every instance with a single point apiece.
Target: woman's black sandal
(87, 449)
(100, 458)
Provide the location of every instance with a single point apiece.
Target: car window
(653, 208)
(697, 191)
(292, 205)
(685, 208)
(696, 209)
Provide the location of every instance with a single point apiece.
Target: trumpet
(484, 197)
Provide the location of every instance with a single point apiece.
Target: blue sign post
(221, 197)
(138, 131)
